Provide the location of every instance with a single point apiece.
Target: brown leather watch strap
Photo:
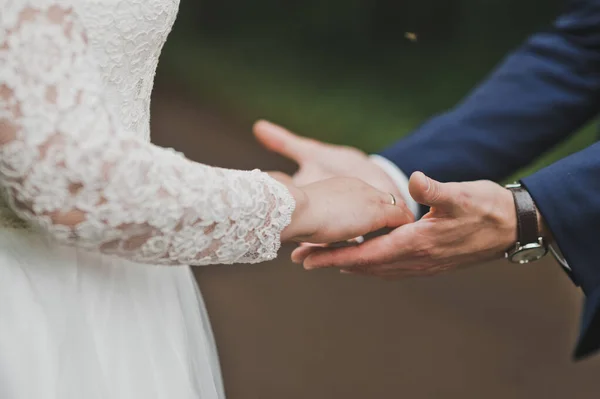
(527, 220)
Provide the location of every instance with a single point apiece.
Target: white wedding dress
(85, 312)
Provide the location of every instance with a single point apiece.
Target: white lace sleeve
(68, 167)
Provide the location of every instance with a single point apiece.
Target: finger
(432, 193)
(379, 250)
(304, 250)
(282, 141)
(300, 253)
(281, 177)
(397, 246)
(396, 213)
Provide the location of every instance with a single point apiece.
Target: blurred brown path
(497, 331)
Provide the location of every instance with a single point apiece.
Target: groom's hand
(318, 161)
(468, 223)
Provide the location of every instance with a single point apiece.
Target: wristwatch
(530, 245)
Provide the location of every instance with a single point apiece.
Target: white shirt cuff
(399, 178)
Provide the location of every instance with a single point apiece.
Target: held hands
(468, 222)
(334, 203)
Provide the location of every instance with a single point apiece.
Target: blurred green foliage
(344, 71)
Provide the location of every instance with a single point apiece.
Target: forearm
(152, 205)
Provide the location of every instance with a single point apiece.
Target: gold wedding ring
(393, 199)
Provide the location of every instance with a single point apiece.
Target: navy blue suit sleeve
(538, 96)
(567, 193)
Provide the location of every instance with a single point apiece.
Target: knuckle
(427, 252)
(434, 191)
(424, 251)
(404, 214)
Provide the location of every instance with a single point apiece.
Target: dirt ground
(496, 331)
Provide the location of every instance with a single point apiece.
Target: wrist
(532, 239)
(509, 223)
(300, 224)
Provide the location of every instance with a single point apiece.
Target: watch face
(529, 253)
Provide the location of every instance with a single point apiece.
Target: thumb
(432, 193)
(282, 141)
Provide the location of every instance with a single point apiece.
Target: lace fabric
(75, 161)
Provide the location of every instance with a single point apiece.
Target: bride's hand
(340, 209)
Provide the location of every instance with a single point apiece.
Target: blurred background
(363, 73)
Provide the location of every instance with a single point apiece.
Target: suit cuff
(560, 258)
(588, 342)
(399, 178)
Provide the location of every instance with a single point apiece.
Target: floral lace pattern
(75, 160)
